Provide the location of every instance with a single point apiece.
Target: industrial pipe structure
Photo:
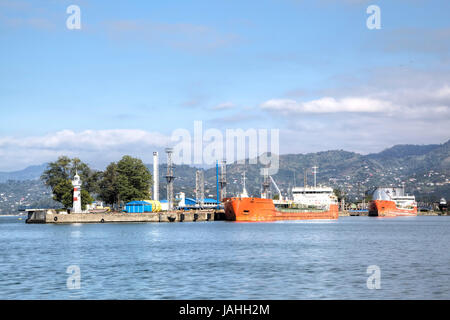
(169, 178)
(217, 184)
(155, 177)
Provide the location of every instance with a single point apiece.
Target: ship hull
(258, 209)
(387, 208)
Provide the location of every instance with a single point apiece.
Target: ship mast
(244, 193)
(265, 184)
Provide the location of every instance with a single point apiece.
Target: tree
(340, 194)
(134, 180)
(56, 172)
(63, 192)
(59, 175)
(125, 181)
(89, 177)
(109, 191)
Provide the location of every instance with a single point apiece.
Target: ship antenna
(244, 192)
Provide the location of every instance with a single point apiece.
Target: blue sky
(137, 70)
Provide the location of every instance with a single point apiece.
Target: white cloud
(406, 103)
(97, 147)
(87, 140)
(329, 105)
(444, 92)
(394, 108)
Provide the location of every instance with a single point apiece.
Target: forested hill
(425, 169)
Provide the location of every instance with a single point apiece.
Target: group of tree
(127, 180)
(340, 194)
(59, 174)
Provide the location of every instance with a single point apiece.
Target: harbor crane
(276, 187)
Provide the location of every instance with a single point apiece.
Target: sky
(136, 71)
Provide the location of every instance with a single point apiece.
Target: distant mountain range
(29, 173)
(425, 170)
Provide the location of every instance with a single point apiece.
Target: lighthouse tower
(76, 182)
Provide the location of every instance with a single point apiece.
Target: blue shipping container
(138, 207)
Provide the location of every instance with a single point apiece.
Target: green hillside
(425, 169)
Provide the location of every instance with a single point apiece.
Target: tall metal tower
(315, 175)
(155, 176)
(199, 188)
(305, 178)
(223, 180)
(169, 178)
(265, 184)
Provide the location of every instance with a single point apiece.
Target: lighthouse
(76, 182)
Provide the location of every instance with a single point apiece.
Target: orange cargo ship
(392, 202)
(258, 209)
(307, 203)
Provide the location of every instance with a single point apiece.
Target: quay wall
(432, 213)
(344, 213)
(50, 216)
(129, 217)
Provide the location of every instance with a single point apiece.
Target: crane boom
(278, 189)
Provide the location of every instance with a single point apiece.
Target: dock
(357, 213)
(51, 216)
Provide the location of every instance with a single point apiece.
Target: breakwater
(49, 216)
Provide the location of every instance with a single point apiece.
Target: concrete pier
(50, 216)
(36, 215)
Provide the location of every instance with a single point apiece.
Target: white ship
(391, 202)
(311, 196)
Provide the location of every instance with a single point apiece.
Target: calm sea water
(224, 260)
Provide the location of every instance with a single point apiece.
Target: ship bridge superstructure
(314, 196)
